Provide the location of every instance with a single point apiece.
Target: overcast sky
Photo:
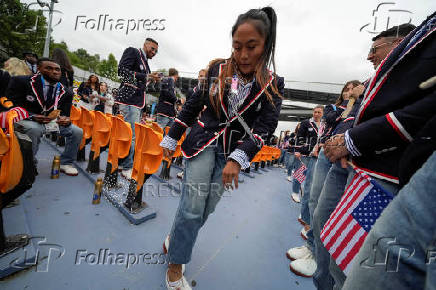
(317, 40)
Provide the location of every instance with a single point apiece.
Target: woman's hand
(167, 153)
(230, 173)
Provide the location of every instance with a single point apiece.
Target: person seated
(48, 104)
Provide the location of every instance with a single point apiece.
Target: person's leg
(336, 272)
(309, 162)
(331, 193)
(296, 186)
(216, 187)
(131, 115)
(32, 129)
(291, 162)
(322, 167)
(399, 251)
(162, 121)
(189, 218)
(73, 137)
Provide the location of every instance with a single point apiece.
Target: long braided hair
(265, 21)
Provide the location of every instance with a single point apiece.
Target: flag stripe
(360, 238)
(343, 229)
(345, 242)
(358, 196)
(349, 191)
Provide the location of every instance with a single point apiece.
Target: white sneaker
(68, 169)
(126, 173)
(180, 175)
(304, 267)
(165, 247)
(295, 197)
(181, 284)
(303, 233)
(289, 178)
(297, 253)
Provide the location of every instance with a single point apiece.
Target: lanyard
(55, 93)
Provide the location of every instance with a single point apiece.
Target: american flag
(299, 173)
(349, 224)
(21, 115)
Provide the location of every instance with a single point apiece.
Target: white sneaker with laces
(126, 173)
(304, 267)
(181, 284)
(303, 233)
(295, 197)
(297, 253)
(68, 169)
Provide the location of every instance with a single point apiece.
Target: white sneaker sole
(69, 174)
(299, 273)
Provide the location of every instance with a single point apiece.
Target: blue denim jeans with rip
(202, 189)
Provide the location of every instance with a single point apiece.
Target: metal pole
(47, 37)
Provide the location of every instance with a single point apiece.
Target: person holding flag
(395, 106)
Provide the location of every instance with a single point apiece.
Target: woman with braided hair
(243, 99)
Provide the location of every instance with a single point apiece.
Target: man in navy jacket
(396, 105)
(167, 100)
(134, 72)
(39, 95)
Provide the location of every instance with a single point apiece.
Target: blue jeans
(73, 137)
(309, 162)
(163, 121)
(331, 193)
(202, 189)
(328, 275)
(290, 163)
(320, 171)
(131, 115)
(405, 235)
(296, 186)
(336, 272)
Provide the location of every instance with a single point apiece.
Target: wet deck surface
(242, 245)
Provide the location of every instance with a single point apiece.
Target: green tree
(109, 68)
(20, 29)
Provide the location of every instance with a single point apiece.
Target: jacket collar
(36, 84)
(397, 55)
(255, 93)
(144, 60)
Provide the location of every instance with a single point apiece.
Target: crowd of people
(371, 131)
(380, 130)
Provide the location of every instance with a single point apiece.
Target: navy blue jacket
(307, 136)
(257, 111)
(395, 108)
(133, 70)
(417, 153)
(27, 92)
(167, 98)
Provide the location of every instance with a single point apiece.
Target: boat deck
(242, 245)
